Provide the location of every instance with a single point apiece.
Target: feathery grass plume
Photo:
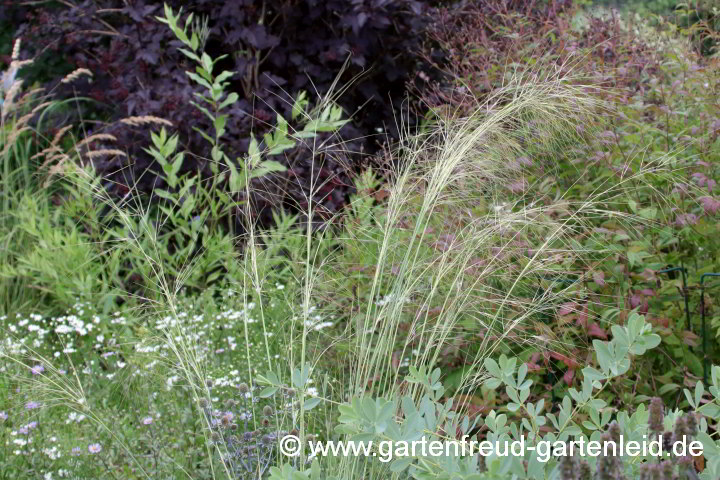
(185, 357)
(75, 74)
(453, 178)
(145, 120)
(104, 153)
(442, 179)
(59, 135)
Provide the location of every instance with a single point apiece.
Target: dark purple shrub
(276, 48)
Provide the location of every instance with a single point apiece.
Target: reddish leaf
(381, 195)
(660, 321)
(583, 316)
(567, 308)
(565, 359)
(690, 339)
(533, 367)
(596, 331)
(599, 278)
(569, 375)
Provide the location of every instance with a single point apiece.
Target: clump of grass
(476, 281)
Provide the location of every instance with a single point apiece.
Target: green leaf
(699, 391)
(199, 80)
(400, 464)
(589, 425)
(266, 167)
(603, 355)
(689, 398)
(299, 106)
(253, 152)
(238, 179)
(223, 76)
(166, 195)
(268, 392)
(231, 99)
(219, 125)
(650, 213)
(312, 403)
(667, 388)
(207, 63)
(492, 367)
(270, 378)
(189, 54)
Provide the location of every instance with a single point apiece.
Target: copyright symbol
(290, 446)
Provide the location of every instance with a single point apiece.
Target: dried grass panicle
(45, 152)
(16, 49)
(103, 153)
(145, 120)
(61, 156)
(74, 75)
(22, 121)
(14, 134)
(59, 167)
(40, 106)
(59, 135)
(33, 92)
(96, 137)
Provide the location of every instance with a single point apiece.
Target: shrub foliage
(274, 48)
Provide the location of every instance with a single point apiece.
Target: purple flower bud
(710, 205)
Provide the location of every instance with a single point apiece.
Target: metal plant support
(702, 312)
(685, 291)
